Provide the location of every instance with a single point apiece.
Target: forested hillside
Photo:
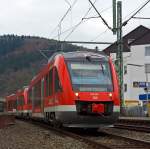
(20, 59)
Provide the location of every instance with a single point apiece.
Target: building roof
(136, 36)
(145, 39)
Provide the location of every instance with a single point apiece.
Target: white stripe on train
(71, 108)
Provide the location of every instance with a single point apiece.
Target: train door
(17, 111)
(33, 104)
(42, 95)
(49, 96)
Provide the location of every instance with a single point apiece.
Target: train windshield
(90, 76)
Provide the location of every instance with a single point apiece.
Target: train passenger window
(22, 100)
(50, 81)
(57, 82)
(15, 104)
(47, 86)
(30, 96)
(37, 94)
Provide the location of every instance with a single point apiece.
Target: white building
(136, 57)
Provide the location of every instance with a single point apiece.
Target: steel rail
(93, 143)
(133, 127)
(137, 143)
(63, 132)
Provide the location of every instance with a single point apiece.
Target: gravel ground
(129, 133)
(27, 136)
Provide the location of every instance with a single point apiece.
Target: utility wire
(125, 22)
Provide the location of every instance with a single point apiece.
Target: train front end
(94, 90)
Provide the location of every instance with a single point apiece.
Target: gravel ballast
(23, 135)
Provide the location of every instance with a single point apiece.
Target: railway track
(132, 127)
(142, 125)
(116, 141)
(98, 140)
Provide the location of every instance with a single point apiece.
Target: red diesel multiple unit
(76, 89)
(17, 103)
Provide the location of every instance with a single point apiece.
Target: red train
(75, 89)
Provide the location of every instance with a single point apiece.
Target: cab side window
(57, 81)
(30, 96)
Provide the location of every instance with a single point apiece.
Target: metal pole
(114, 16)
(146, 90)
(147, 71)
(119, 54)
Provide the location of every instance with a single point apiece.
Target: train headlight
(110, 94)
(77, 94)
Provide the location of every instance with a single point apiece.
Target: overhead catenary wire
(68, 2)
(42, 53)
(134, 11)
(71, 10)
(141, 18)
(76, 25)
(83, 20)
(104, 21)
(73, 29)
(63, 17)
(95, 17)
(99, 35)
(125, 22)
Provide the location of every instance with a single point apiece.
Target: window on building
(147, 68)
(130, 40)
(125, 87)
(125, 69)
(147, 51)
(135, 84)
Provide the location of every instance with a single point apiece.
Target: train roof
(11, 97)
(69, 55)
(80, 54)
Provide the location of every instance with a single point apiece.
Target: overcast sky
(40, 18)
